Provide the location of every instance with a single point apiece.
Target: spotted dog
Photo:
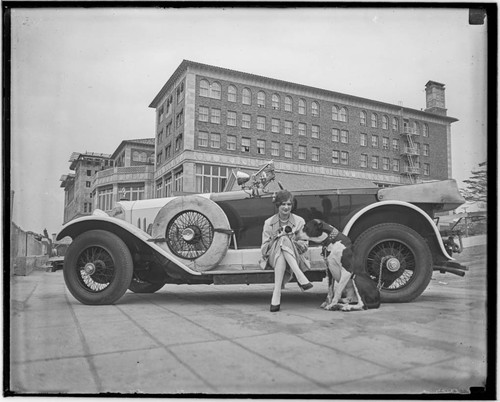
(349, 287)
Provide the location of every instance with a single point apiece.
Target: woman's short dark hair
(282, 196)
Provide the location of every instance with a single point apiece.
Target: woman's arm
(267, 238)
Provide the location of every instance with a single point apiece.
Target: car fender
(370, 207)
(99, 221)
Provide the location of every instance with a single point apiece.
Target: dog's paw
(333, 307)
(345, 307)
(323, 305)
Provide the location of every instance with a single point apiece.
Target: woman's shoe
(305, 287)
(275, 308)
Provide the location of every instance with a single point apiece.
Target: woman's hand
(301, 247)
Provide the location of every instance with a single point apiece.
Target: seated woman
(280, 248)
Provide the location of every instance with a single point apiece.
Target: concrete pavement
(223, 340)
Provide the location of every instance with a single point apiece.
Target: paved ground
(223, 340)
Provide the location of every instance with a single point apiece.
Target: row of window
(169, 151)
(165, 109)
(164, 186)
(339, 113)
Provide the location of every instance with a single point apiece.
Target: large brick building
(212, 120)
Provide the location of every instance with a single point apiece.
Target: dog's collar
(332, 237)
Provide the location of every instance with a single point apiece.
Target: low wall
(23, 266)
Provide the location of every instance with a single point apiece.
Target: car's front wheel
(397, 258)
(98, 267)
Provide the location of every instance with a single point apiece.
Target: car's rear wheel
(98, 267)
(397, 258)
(140, 286)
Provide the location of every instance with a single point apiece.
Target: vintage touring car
(215, 238)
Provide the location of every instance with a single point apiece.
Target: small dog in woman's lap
(349, 287)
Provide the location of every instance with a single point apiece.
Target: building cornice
(350, 99)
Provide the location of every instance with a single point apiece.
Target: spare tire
(196, 230)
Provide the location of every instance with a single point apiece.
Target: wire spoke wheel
(189, 234)
(96, 269)
(395, 261)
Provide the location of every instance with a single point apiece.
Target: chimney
(434, 98)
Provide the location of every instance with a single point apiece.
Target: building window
(210, 178)
(344, 158)
(374, 120)
(385, 142)
(245, 145)
(395, 124)
(159, 188)
(363, 160)
(160, 113)
(275, 102)
(87, 184)
(288, 150)
(288, 104)
(335, 113)
(89, 172)
(427, 169)
(426, 149)
(335, 156)
(231, 93)
(302, 106)
(335, 135)
(169, 129)
(215, 90)
(315, 109)
(374, 141)
(178, 181)
(180, 92)
(302, 128)
(414, 126)
(315, 154)
(231, 118)
(261, 147)
(275, 148)
(168, 151)
(362, 118)
(302, 152)
(314, 131)
(343, 114)
(425, 130)
(246, 96)
(179, 120)
(178, 143)
(214, 140)
(203, 113)
(374, 162)
(215, 116)
(344, 137)
(231, 143)
(395, 165)
(385, 122)
(204, 88)
(245, 120)
(261, 123)
(168, 186)
(395, 144)
(132, 192)
(261, 99)
(288, 127)
(385, 163)
(275, 125)
(105, 199)
(203, 139)
(363, 140)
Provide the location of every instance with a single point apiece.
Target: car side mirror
(242, 178)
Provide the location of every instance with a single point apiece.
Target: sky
(82, 79)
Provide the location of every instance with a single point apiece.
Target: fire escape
(410, 153)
